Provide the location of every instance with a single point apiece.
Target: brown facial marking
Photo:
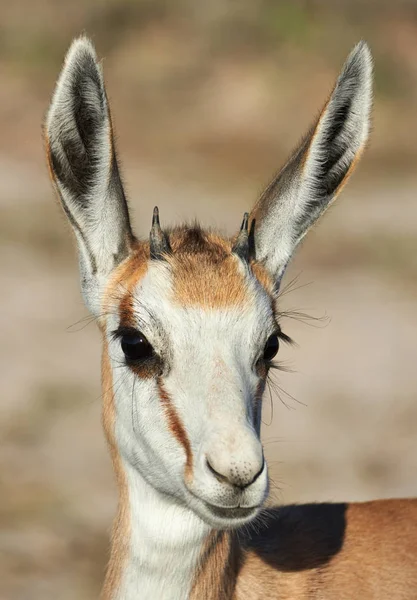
(121, 527)
(176, 427)
(205, 273)
(119, 291)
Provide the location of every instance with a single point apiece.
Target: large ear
(317, 171)
(83, 166)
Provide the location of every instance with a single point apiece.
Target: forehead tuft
(195, 240)
(204, 272)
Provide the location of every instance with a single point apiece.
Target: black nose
(240, 476)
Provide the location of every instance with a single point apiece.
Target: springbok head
(189, 318)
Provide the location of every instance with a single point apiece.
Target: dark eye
(136, 347)
(271, 347)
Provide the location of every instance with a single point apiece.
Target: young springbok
(190, 327)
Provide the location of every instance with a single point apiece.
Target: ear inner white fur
(317, 170)
(84, 167)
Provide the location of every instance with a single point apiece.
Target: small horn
(158, 241)
(241, 245)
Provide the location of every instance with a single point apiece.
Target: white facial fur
(208, 373)
(210, 377)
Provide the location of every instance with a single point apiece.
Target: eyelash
(284, 337)
(118, 333)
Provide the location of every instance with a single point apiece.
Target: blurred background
(208, 99)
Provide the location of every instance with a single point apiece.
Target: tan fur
(374, 559)
(364, 551)
(121, 526)
(263, 277)
(217, 573)
(118, 295)
(201, 265)
(205, 273)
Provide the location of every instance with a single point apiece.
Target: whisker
(278, 389)
(269, 441)
(85, 321)
(271, 403)
(305, 318)
(291, 287)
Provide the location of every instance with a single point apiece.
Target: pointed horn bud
(241, 245)
(158, 241)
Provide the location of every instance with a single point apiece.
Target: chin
(231, 518)
(223, 517)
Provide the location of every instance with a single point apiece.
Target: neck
(159, 548)
(163, 550)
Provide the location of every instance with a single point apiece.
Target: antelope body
(190, 326)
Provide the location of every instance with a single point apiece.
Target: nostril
(236, 477)
(259, 473)
(217, 475)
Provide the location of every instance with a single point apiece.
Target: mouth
(233, 512)
(224, 517)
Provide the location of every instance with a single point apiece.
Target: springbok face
(189, 318)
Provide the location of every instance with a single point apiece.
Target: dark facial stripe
(127, 318)
(176, 427)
